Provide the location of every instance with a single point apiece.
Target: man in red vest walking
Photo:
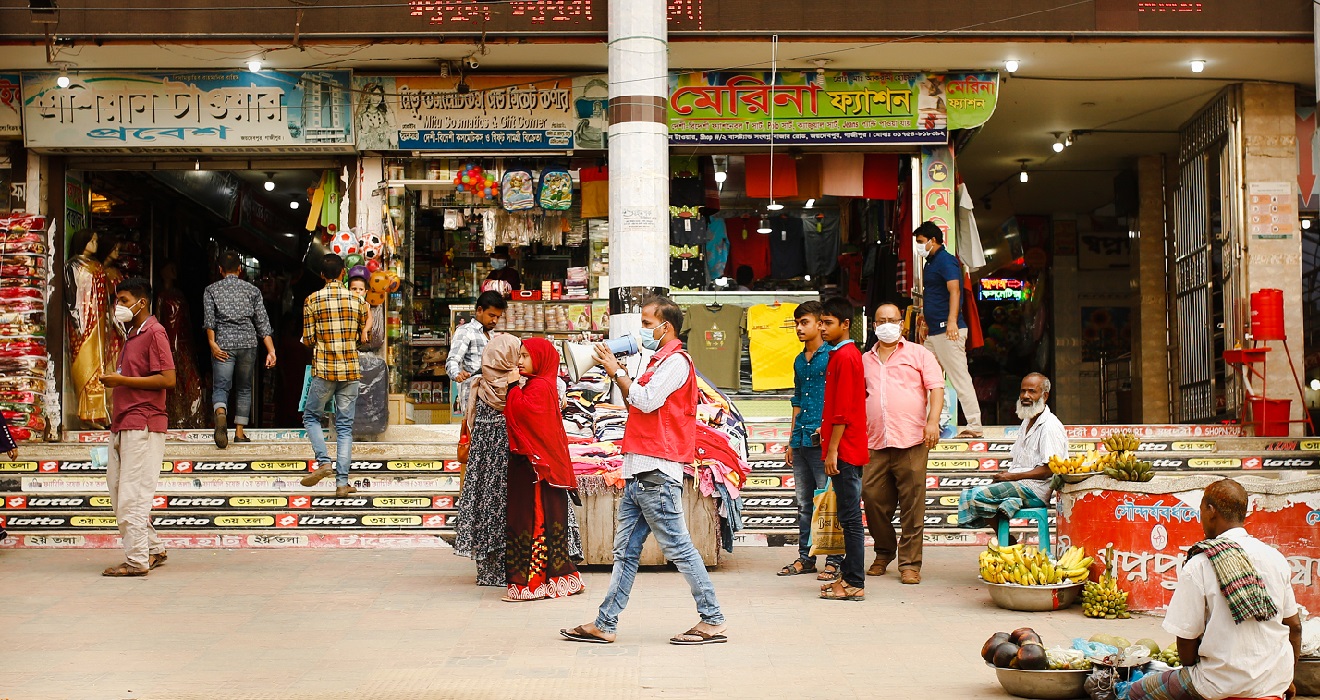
(659, 441)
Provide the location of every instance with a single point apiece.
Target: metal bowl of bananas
(1026, 579)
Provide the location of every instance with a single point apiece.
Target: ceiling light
(1022, 175)
(294, 204)
(1306, 223)
(270, 182)
(1198, 66)
(764, 227)
(810, 203)
(255, 65)
(63, 81)
(1068, 140)
(1058, 147)
(1011, 65)
(774, 206)
(1315, 385)
(721, 176)
(197, 164)
(290, 235)
(990, 252)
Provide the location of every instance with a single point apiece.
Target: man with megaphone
(659, 440)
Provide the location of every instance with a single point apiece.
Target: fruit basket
(1043, 685)
(1011, 596)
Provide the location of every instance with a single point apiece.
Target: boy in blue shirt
(804, 454)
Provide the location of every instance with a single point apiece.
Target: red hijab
(536, 426)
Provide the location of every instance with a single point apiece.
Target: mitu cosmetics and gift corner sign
(493, 113)
(827, 107)
(11, 121)
(1004, 289)
(189, 112)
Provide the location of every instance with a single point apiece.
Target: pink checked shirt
(896, 393)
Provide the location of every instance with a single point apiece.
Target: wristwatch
(620, 373)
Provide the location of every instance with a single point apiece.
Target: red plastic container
(1269, 417)
(1267, 315)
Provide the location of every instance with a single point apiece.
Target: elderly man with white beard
(1026, 484)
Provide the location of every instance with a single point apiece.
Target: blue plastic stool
(1042, 517)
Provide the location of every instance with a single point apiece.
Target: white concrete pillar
(638, 159)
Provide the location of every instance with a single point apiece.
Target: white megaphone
(581, 357)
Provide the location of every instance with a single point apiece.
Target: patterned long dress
(483, 502)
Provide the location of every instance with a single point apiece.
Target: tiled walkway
(303, 625)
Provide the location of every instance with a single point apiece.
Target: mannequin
(184, 401)
(112, 268)
(87, 296)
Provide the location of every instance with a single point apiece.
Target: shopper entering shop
(803, 455)
(138, 422)
(659, 440)
(904, 396)
(946, 321)
(468, 342)
(333, 319)
(540, 481)
(234, 317)
(843, 438)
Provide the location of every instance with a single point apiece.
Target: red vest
(670, 433)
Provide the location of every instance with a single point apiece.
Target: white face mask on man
(922, 251)
(124, 315)
(889, 333)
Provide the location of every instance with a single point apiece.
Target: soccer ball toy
(371, 246)
(343, 243)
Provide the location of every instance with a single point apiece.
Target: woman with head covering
(482, 502)
(540, 480)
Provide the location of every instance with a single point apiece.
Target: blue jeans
(848, 491)
(808, 476)
(234, 374)
(648, 508)
(345, 395)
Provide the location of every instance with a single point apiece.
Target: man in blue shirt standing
(946, 323)
(804, 454)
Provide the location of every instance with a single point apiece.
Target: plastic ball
(332, 228)
(359, 270)
(379, 282)
(489, 192)
(343, 243)
(462, 188)
(371, 246)
(375, 298)
(352, 260)
(393, 281)
(373, 265)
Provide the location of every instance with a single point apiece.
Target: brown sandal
(157, 560)
(842, 591)
(124, 569)
(831, 573)
(797, 568)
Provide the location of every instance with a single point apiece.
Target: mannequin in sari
(87, 296)
(184, 401)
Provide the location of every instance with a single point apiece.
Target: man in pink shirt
(904, 396)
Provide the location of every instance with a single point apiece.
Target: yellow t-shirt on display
(773, 345)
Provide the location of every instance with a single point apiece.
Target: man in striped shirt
(334, 322)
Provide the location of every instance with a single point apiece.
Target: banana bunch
(1122, 442)
(1126, 467)
(1072, 465)
(1029, 566)
(1103, 599)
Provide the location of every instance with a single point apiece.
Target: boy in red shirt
(843, 439)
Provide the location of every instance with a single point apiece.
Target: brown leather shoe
(878, 567)
(315, 477)
(342, 491)
(910, 576)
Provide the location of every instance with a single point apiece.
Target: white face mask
(650, 337)
(498, 263)
(921, 251)
(123, 316)
(889, 333)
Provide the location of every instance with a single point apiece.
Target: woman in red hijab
(540, 478)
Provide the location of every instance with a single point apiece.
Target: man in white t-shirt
(1241, 645)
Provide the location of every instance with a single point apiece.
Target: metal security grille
(1202, 141)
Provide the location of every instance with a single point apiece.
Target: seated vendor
(500, 271)
(1026, 484)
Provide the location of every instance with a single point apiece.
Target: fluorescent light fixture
(255, 65)
(1198, 66)
(1011, 65)
(810, 203)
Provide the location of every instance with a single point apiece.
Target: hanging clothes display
(821, 235)
(687, 237)
(809, 171)
(715, 334)
(842, 174)
(773, 345)
(788, 254)
(747, 247)
(717, 249)
(968, 237)
(595, 186)
(759, 176)
(880, 176)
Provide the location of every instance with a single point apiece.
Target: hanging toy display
(472, 179)
(371, 246)
(359, 271)
(343, 243)
(393, 281)
(353, 260)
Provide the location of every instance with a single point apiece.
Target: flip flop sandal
(848, 593)
(967, 434)
(124, 569)
(157, 560)
(703, 638)
(796, 569)
(577, 634)
(507, 599)
(831, 573)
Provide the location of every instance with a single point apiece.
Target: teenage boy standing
(807, 462)
(137, 426)
(843, 434)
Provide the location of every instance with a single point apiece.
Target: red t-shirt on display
(146, 352)
(747, 247)
(845, 404)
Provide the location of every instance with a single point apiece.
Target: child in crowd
(843, 438)
(358, 286)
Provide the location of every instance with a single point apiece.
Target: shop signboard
(189, 112)
(1004, 289)
(488, 113)
(826, 107)
(11, 120)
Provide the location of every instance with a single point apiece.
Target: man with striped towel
(1238, 625)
